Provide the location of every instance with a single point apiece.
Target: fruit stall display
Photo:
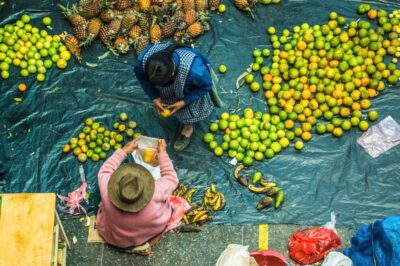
(30, 48)
(321, 79)
(95, 140)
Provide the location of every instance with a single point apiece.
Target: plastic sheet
(328, 174)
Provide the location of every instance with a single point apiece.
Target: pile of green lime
(95, 140)
(254, 136)
(33, 50)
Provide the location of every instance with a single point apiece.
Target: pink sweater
(124, 229)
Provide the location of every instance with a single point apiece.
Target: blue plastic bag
(377, 243)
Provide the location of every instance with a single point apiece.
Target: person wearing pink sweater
(134, 208)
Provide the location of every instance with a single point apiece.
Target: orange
(228, 131)
(288, 107)
(365, 81)
(355, 95)
(337, 94)
(355, 106)
(306, 94)
(372, 92)
(269, 94)
(372, 14)
(267, 77)
(22, 87)
(289, 124)
(66, 148)
(77, 151)
(365, 103)
(122, 127)
(301, 118)
(301, 45)
(306, 136)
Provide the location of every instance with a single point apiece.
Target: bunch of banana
(196, 215)
(181, 191)
(214, 200)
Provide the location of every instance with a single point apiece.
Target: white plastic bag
(380, 137)
(234, 255)
(337, 259)
(145, 155)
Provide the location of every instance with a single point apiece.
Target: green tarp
(330, 174)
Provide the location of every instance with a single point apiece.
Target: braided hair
(160, 67)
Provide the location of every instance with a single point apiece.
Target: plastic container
(147, 148)
(269, 258)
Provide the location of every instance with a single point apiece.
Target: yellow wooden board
(26, 229)
(263, 236)
(93, 234)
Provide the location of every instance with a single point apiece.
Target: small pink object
(269, 258)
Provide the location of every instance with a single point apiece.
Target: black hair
(160, 66)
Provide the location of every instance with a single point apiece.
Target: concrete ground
(201, 248)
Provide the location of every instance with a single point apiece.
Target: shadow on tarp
(329, 174)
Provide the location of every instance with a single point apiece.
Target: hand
(131, 146)
(159, 105)
(162, 146)
(176, 106)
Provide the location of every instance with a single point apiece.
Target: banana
(212, 188)
(198, 215)
(237, 170)
(215, 198)
(258, 190)
(206, 218)
(189, 194)
(220, 203)
(180, 190)
(185, 219)
(266, 184)
(208, 193)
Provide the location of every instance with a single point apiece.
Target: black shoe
(181, 143)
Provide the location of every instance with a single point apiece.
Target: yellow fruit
(166, 112)
(148, 156)
(121, 128)
(66, 148)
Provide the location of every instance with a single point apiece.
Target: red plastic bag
(311, 245)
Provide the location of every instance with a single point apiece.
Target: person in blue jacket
(177, 77)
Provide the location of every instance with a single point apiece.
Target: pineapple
(105, 39)
(201, 5)
(144, 23)
(82, 3)
(93, 31)
(121, 45)
(114, 27)
(140, 44)
(168, 29)
(72, 44)
(213, 4)
(128, 20)
(123, 4)
(156, 2)
(107, 15)
(72, 15)
(244, 6)
(188, 5)
(190, 17)
(80, 32)
(135, 32)
(178, 35)
(195, 29)
(144, 5)
(166, 3)
(155, 33)
(179, 14)
(92, 10)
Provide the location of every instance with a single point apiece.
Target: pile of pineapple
(121, 24)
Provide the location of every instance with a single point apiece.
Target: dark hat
(160, 68)
(131, 187)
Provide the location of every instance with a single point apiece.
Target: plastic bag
(312, 244)
(337, 259)
(377, 243)
(381, 137)
(234, 255)
(145, 155)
